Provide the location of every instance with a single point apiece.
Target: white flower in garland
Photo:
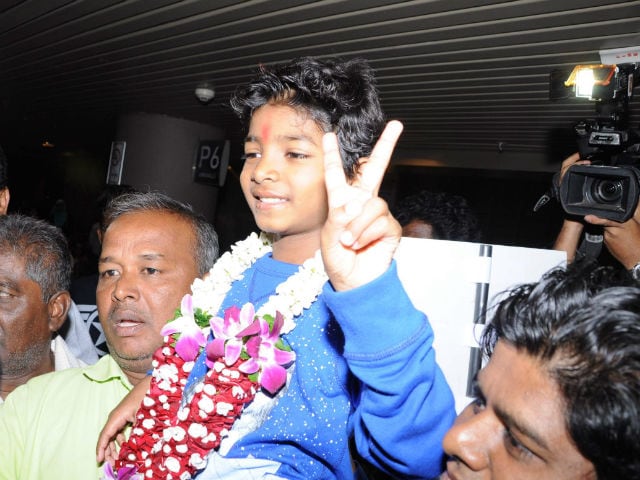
(208, 293)
(298, 292)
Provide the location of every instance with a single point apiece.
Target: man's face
(417, 229)
(25, 337)
(516, 427)
(146, 266)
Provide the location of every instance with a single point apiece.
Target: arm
(124, 413)
(621, 239)
(568, 238)
(404, 399)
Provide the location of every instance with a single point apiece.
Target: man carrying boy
(153, 248)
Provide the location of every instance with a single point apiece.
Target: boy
(364, 368)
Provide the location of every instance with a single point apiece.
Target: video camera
(610, 186)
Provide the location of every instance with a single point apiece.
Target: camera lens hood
(609, 192)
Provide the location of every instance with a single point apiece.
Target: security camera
(205, 93)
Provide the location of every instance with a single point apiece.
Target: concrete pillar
(160, 154)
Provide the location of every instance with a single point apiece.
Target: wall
(502, 200)
(506, 160)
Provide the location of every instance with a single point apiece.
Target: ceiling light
(584, 77)
(205, 92)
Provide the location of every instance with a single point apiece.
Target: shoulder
(43, 388)
(67, 385)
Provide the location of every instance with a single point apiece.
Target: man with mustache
(153, 248)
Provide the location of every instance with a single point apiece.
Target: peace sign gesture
(360, 235)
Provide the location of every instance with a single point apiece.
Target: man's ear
(4, 200)
(58, 306)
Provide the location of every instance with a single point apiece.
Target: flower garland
(175, 430)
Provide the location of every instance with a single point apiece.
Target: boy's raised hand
(360, 235)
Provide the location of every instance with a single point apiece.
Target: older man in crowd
(35, 273)
(153, 248)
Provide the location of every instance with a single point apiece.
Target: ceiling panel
(460, 74)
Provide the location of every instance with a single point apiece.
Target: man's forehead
(523, 394)
(150, 235)
(150, 222)
(11, 262)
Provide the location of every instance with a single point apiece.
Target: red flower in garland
(171, 440)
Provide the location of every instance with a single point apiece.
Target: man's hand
(568, 238)
(573, 159)
(124, 413)
(621, 239)
(360, 235)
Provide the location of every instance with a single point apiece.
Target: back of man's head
(583, 323)
(450, 216)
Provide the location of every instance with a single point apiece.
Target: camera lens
(607, 191)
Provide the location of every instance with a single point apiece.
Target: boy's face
(516, 428)
(283, 174)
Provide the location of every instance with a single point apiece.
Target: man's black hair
(340, 95)
(583, 324)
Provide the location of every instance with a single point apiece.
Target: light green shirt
(49, 426)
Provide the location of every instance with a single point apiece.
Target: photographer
(622, 239)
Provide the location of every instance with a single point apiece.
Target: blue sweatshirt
(365, 368)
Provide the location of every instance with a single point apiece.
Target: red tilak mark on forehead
(264, 133)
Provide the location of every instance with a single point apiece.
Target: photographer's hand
(568, 238)
(573, 159)
(621, 239)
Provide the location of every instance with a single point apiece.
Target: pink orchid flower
(192, 337)
(124, 473)
(227, 342)
(266, 357)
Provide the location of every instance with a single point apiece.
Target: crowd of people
(298, 354)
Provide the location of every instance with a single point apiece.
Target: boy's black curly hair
(340, 95)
